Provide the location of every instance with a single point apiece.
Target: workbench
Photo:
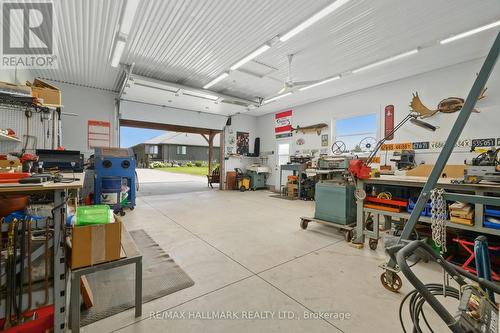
(482, 188)
(61, 194)
(297, 169)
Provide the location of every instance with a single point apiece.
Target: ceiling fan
(290, 85)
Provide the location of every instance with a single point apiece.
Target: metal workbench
(130, 256)
(61, 193)
(297, 169)
(480, 189)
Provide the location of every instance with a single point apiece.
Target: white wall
(87, 103)
(432, 87)
(239, 123)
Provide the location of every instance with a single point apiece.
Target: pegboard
(14, 117)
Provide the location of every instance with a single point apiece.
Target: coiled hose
(416, 303)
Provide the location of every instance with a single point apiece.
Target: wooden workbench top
(415, 180)
(47, 186)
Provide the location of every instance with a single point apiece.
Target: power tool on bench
(486, 166)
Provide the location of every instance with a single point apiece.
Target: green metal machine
(258, 175)
(335, 202)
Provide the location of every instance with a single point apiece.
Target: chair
(214, 178)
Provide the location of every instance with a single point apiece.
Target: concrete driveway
(156, 182)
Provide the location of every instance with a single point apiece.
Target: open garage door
(206, 137)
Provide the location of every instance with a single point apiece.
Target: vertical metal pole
(459, 125)
(59, 262)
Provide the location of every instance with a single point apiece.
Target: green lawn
(194, 170)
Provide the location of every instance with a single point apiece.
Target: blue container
(111, 184)
(425, 212)
(488, 224)
(491, 211)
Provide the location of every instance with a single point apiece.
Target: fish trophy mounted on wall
(447, 105)
(311, 129)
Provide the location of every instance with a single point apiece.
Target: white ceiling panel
(85, 32)
(191, 42)
(427, 60)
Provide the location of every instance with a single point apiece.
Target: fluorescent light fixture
(128, 16)
(320, 83)
(117, 52)
(276, 98)
(470, 32)
(251, 56)
(385, 61)
(164, 88)
(200, 95)
(313, 19)
(217, 79)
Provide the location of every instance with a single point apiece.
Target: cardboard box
(15, 89)
(49, 94)
(95, 244)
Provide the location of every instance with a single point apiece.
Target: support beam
(222, 170)
(166, 127)
(211, 152)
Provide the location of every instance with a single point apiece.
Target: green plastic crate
(95, 214)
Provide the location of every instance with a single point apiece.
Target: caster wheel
(373, 243)
(242, 189)
(348, 235)
(122, 213)
(303, 224)
(393, 285)
(369, 223)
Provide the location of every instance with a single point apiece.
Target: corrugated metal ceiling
(193, 41)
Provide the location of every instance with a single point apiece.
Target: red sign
(283, 124)
(389, 122)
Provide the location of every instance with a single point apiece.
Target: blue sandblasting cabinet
(115, 178)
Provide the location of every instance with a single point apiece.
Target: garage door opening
(171, 159)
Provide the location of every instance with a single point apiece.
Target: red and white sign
(98, 134)
(283, 124)
(389, 122)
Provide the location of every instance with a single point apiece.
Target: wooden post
(222, 170)
(210, 152)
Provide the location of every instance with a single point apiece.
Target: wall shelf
(8, 138)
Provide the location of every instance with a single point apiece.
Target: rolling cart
(347, 229)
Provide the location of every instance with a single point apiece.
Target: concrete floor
(156, 182)
(247, 254)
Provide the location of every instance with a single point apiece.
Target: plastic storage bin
(425, 212)
(95, 214)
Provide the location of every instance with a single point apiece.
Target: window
(357, 133)
(152, 150)
(181, 150)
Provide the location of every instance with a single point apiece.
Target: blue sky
(130, 136)
(358, 124)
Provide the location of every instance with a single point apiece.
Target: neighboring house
(175, 147)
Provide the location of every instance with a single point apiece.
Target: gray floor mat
(113, 289)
